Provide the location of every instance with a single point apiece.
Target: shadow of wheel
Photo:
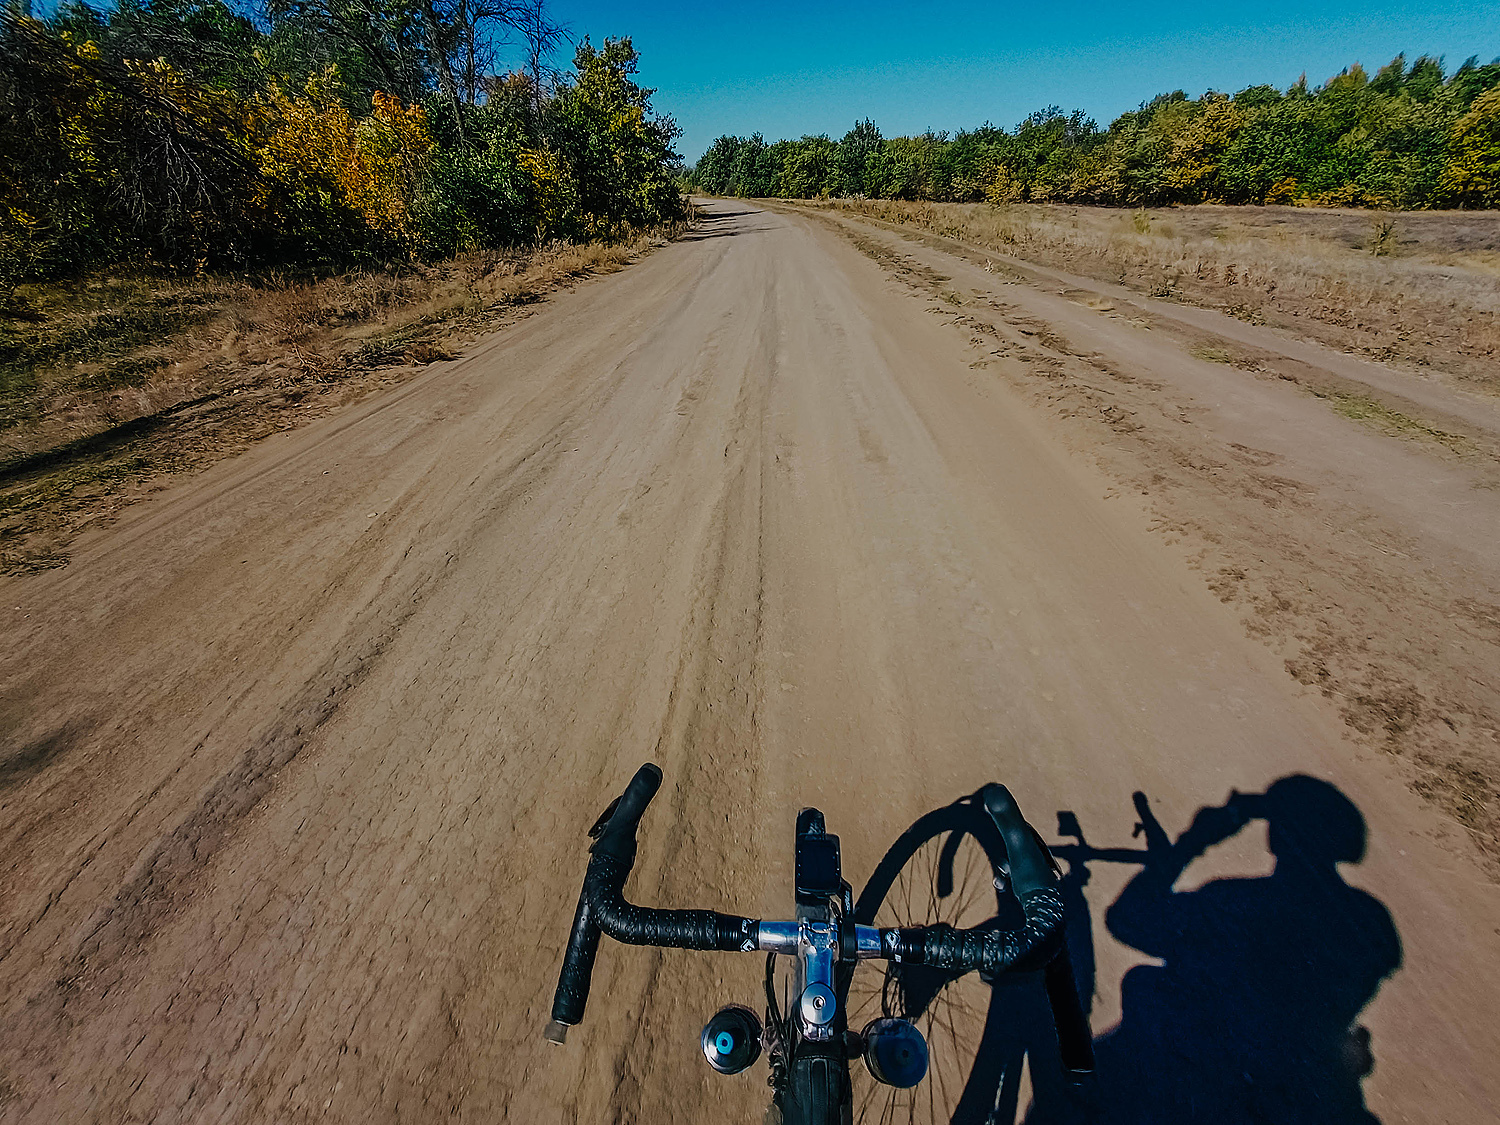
(947, 867)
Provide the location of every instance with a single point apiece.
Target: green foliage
(618, 152)
(478, 194)
(740, 166)
(808, 168)
(178, 131)
(1472, 175)
(855, 150)
(1410, 137)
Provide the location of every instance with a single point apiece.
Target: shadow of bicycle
(1251, 1016)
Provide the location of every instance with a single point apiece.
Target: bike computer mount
(818, 876)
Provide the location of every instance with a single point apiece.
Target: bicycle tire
(941, 869)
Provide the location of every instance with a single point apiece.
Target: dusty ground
(300, 757)
(1365, 563)
(1419, 289)
(112, 385)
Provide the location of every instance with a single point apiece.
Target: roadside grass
(974, 223)
(1418, 288)
(111, 381)
(1372, 412)
(1213, 354)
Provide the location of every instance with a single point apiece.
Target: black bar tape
(891, 946)
(618, 837)
(1075, 1042)
(604, 887)
(602, 908)
(573, 982)
(991, 951)
(572, 995)
(668, 929)
(1034, 945)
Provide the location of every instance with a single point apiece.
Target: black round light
(731, 1040)
(895, 1053)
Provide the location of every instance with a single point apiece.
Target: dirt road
(299, 758)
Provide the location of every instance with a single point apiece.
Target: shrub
(1471, 177)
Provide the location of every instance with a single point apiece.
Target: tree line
(1409, 137)
(315, 133)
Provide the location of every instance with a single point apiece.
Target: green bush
(179, 132)
(477, 194)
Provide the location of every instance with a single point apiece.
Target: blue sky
(787, 69)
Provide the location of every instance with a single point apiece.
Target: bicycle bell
(895, 1052)
(731, 1040)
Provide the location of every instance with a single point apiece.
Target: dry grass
(81, 358)
(1420, 288)
(108, 382)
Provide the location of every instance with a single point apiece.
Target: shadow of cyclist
(1019, 1032)
(1017, 1035)
(1251, 1016)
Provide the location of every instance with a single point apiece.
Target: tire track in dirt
(1378, 621)
(710, 735)
(747, 509)
(169, 877)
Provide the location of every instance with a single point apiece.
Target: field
(1420, 290)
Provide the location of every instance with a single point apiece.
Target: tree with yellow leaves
(1471, 177)
(325, 172)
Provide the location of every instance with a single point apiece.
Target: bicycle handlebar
(602, 908)
(1029, 867)
(604, 887)
(994, 951)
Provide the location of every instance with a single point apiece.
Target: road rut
(300, 757)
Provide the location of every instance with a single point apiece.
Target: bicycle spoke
(951, 1012)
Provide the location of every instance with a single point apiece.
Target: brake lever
(603, 821)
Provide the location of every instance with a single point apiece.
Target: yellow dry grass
(111, 385)
(1422, 288)
(94, 355)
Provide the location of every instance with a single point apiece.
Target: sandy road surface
(299, 759)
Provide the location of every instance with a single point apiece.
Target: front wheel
(817, 1093)
(945, 868)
